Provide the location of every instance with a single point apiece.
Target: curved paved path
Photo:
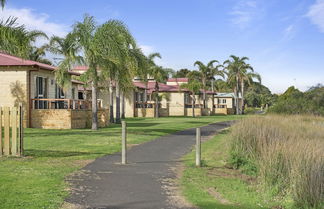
(141, 184)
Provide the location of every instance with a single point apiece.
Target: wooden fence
(11, 131)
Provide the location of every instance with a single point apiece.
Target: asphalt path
(144, 183)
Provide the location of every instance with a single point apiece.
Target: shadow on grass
(56, 153)
(142, 124)
(71, 133)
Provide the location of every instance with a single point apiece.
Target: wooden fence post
(124, 143)
(6, 144)
(21, 130)
(198, 148)
(14, 144)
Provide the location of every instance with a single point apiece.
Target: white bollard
(124, 143)
(198, 148)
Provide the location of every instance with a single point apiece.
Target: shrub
(286, 153)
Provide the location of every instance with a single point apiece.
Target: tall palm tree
(114, 44)
(206, 72)
(239, 72)
(246, 80)
(194, 87)
(85, 32)
(159, 74)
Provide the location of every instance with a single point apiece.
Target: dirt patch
(67, 205)
(172, 189)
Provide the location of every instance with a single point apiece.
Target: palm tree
(69, 48)
(247, 79)
(84, 32)
(239, 72)
(16, 39)
(37, 54)
(114, 44)
(159, 74)
(207, 72)
(194, 87)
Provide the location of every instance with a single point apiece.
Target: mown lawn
(214, 186)
(38, 179)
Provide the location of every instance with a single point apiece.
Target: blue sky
(283, 39)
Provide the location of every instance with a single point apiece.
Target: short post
(198, 148)
(124, 143)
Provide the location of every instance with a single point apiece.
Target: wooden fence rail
(11, 131)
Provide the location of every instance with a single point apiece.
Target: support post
(124, 143)
(21, 130)
(198, 148)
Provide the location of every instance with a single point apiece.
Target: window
(224, 101)
(80, 95)
(39, 87)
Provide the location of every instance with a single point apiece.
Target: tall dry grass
(286, 153)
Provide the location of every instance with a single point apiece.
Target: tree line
(235, 73)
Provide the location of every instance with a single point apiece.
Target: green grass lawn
(38, 180)
(214, 186)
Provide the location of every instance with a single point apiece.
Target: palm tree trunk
(117, 103)
(242, 95)
(156, 100)
(237, 95)
(193, 105)
(123, 106)
(213, 103)
(204, 94)
(94, 106)
(111, 105)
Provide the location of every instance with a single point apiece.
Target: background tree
(193, 86)
(182, 73)
(206, 73)
(238, 74)
(68, 51)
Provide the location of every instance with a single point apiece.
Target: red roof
(10, 60)
(178, 79)
(162, 86)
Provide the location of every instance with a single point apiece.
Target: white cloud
(34, 21)
(243, 13)
(316, 14)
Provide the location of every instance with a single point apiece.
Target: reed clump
(286, 153)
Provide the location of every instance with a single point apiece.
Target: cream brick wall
(229, 101)
(175, 104)
(11, 80)
(67, 119)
